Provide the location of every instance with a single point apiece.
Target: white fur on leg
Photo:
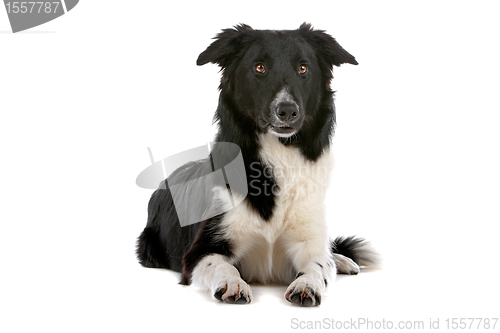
(213, 272)
(345, 265)
(310, 284)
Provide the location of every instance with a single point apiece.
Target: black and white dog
(276, 105)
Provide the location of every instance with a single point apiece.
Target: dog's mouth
(280, 129)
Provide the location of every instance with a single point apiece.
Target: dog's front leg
(315, 268)
(309, 284)
(216, 273)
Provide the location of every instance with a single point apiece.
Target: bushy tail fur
(357, 249)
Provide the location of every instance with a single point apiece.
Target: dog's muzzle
(284, 118)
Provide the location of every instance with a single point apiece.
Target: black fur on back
(163, 242)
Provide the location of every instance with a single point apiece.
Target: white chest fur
(261, 247)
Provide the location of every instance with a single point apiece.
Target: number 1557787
(31, 7)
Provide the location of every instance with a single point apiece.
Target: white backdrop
(417, 162)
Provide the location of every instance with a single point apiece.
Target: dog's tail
(357, 249)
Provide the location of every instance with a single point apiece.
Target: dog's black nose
(287, 112)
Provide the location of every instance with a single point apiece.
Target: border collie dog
(276, 107)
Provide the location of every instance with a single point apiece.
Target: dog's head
(278, 79)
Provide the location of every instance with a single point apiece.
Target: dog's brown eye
(302, 69)
(260, 68)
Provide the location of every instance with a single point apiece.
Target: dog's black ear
(228, 43)
(326, 45)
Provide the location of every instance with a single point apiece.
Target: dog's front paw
(345, 265)
(303, 293)
(234, 291)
